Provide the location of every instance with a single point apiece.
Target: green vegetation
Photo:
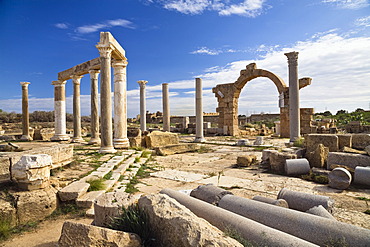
(134, 220)
(321, 179)
(5, 228)
(137, 160)
(367, 211)
(143, 172)
(232, 233)
(204, 149)
(96, 184)
(340, 242)
(146, 154)
(343, 117)
(108, 175)
(67, 208)
(363, 198)
(299, 142)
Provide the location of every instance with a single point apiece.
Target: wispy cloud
(207, 51)
(249, 8)
(348, 4)
(363, 22)
(61, 25)
(104, 25)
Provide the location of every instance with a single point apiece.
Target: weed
(367, 211)
(259, 148)
(363, 198)
(121, 178)
(5, 228)
(299, 142)
(211, 174)
(130, 188)
(321, 179)
(134, 220)
(146, 154)
(108, 175)
(137, 160)
(204, 149)
(340, 242)
(232, 233)
(96, 184)
(67, 208)
(138, 148)
(221, 173)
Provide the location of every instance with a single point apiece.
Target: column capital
(77, 79)
(25, 83)
(142, 83)
(58, 83)
(119, 63)
(292, 57)
(104, 50)
(94, 73)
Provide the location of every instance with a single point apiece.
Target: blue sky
(175, 41)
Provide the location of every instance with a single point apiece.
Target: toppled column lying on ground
(223, 219)
(315, 229)
(362, 175)
(297, 167)
(278, 202)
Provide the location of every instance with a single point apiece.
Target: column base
(121, 143)
(60, 138)
(199, 139)
(26, 138)
(107, 150)
(77, 140)
(94, 141)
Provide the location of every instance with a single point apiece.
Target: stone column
(199, 136)
(106, 145)
(142, 105)
(120, 105)
(76, 109)
(166, 107)
(60, 111)
(25, 115)
(95, 139)
(294, 116)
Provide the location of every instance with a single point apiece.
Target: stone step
(87, 200)
(73, 191)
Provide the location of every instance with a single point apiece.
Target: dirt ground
(216, 164)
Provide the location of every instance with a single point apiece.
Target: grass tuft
(96, 184)
(232, 233)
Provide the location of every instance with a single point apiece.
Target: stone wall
(61, 154)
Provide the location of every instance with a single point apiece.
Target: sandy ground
(214, 166)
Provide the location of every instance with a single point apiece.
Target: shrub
(96, 184)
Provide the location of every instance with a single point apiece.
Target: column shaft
(95, 139)
(120, 105)
(77, 137)
(199, 136)
(60, 111)
(106, 145)
(142, 105)
(25, 114)
(166, 107)
(294, 111)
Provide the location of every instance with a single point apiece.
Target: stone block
(243, 142)
(318, 157)
(73, 191)
(43, 134)
(278, 160)
(35, 205)
(32, 172)
(258, 141)
(87, 200)
(344, 140)
(360, 141)
(159, 139)
(340, 178)
(8, 212)
(367, 150)
(176, 148)
(347, 159)
(330, 141)
(176, 225)
(246, 160)
(354, 151)
(78, 234)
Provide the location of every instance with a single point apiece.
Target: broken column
(199, 135)
(60, 111)
(250, 230)
(166, 107)
(106, 145)
(76, 109)
(362, 175)
(142, 105)
(95, 139)
(120, 105)
(25, 114)
(295, 167)
(340, 178)
(304, 201)
(278, 202)
(294, 114)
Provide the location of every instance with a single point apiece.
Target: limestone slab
(73, 191)
(348, 159)
(178, 175)
(87, 200)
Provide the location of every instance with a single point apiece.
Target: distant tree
(327, 113)
(341, 112)
(359, 110)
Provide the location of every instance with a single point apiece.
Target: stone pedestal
(142, 105)
(95, 139)
(60, 111)
(120, 105)
(76, 109)
(106, 145)
(294, 114)
(166, 107)
(25, 115)
(199, 136)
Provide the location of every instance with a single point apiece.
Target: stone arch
(228, 97)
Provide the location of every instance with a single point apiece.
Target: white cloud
(206, 51)
(348, 4)
(61, 25)
(249, 8)
(106, 24)
(363, 22)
